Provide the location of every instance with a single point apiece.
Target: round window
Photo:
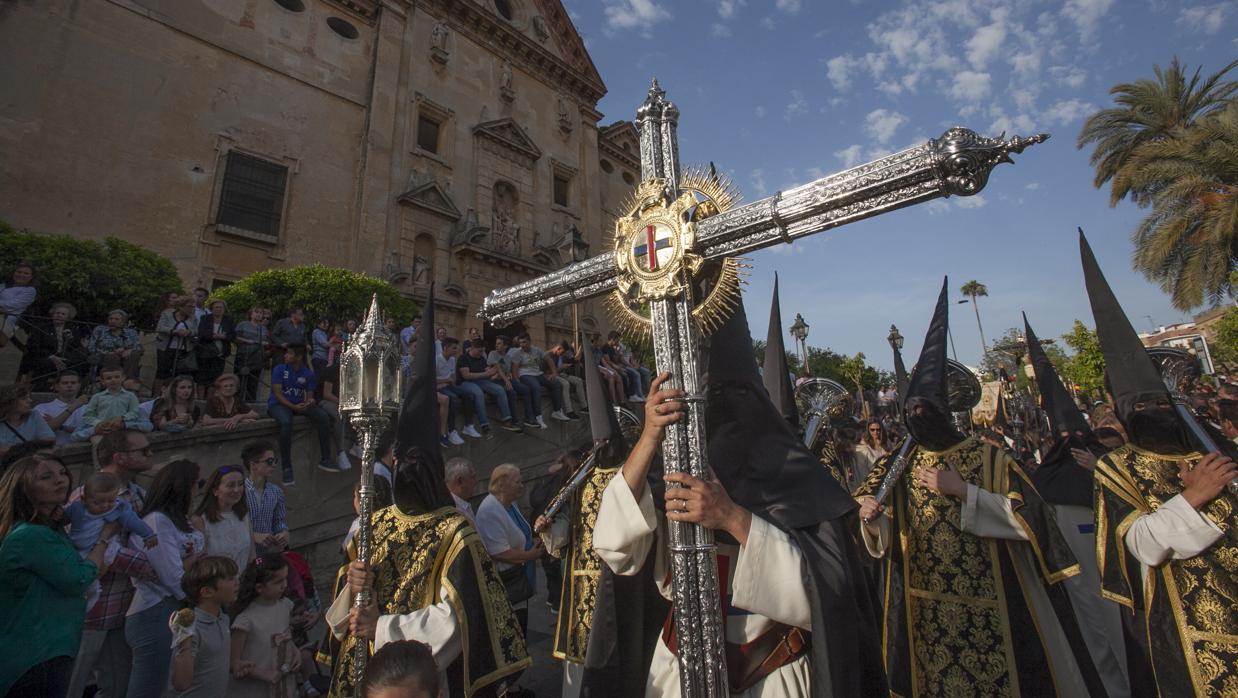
(343, 27)
(607, 167)
(291, 5)
(505, 8)
(629, 179)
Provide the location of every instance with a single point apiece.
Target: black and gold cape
(957, 617)
(1190, 606)
(415, 558)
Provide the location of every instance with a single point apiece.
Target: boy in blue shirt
(292, 394)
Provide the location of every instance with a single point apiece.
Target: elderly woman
(116, 339)
(19, 422)
(54, 345)
(252, 341)
(226, 407)
(507, 534)
(43, 580)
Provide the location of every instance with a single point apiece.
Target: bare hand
(1206, 480)
(151, 542)
(942, 481)
(109, 531)
(232, 422)
(362, 622)
(1084, 458)
(662, 407)
(870, 509)
(541, 524)
(706, 503)
(360, 576)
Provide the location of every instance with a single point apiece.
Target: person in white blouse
(505, 531)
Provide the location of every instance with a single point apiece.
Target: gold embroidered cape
(583, 569)
(957, 620)
(1190, 606)
(415, 558)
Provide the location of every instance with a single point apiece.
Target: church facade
(448, 141)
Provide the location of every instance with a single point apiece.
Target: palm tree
(974, 289)
(1148, 111)
(1189, 241)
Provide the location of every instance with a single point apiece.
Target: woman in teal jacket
(43, 580)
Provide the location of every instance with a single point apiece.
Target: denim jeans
(632, 382)
(456, 404)
(151, 641)
(322, 424)
(479, 389)
(528, 398)
(535, 385)
(105, 656)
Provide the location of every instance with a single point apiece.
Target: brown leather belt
(748, 663)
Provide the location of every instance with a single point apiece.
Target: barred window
(561, 186)
(252, 198)
(427, 134)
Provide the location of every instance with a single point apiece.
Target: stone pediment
(431, 197)
(621, 141)
(509, 134)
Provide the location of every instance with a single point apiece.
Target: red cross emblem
(656, 237)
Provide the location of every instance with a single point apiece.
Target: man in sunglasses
(104, 652)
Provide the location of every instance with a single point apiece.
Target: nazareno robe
(972, 604)
(1177, 567)
(435, 583)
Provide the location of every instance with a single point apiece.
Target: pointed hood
(928, 387)
(607, 434)
(752, 449)
(1133, 377)
(1055, 399)
(420, 485)
(776, 375)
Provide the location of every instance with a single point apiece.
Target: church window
(505, 8)
(343, 27)
(291, 5)
(252, 196)
(629, 179)
(607, 167)
(561, 189)
(427, 133)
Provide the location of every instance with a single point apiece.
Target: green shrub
(322, 292)
(94, 276)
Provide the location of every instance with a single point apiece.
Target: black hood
(928, 401)
(775, 373)
(420, 484)
(1055, 399)
(752, 449)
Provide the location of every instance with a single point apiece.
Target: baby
(99, 506)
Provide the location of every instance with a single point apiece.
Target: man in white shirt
(445, 380)
(64, 414)
(461, 479)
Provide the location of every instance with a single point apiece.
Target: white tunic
(765, 581)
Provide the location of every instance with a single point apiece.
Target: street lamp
(900, 372)
(799, 330)
(369, 398)
(895, 339)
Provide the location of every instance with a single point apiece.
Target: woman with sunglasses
(223, 516)
(167, 511)
(874, 444)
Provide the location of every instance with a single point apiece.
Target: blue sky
(778, 92)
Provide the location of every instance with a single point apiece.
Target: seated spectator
(223, 516)
(328, 382)
(167, 511)
(18, 420)
(174, 338)
(200, 666)
(252, 341)
(563, 360)
(531, 364)
(402, 669)
(506, 533)
(225, 406)
(292, 395)
(264, 498)
(53, 345)
(447, 378)
(479, 380)
(111, 408)
(620, 360)
(446, 413)
(216, 332)
(504, 375)
(614, 381)
(42, 580)
(475, 338)
(64, 413)
(176, 410)
(15, 296)
(461, 479)
(116, 342)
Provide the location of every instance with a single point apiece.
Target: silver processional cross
(659, 248)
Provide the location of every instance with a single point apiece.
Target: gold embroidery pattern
(580, 581)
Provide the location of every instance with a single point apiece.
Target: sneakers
(454, 437)
(534, 425)
(445, 442)
(636, 398)
(288, 476)
(558, 414)
(541, 422)
(330, 467)
(510, 425)
(345, 464)
(471, 432)
(574, 416)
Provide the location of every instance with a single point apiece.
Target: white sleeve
(625, 528)
(337, 615)
(876, 533)
(493, 529)
(434, 625)
(1175, 529)
(166, 556)
(989, 515)
(768, 580)
(554, 536)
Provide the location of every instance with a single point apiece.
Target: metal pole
(370, 428)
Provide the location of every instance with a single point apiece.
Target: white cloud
(760, 111)
(973, 201)
(767, 23)
(882, 124)
(1069, 75)
(1032, 186)
(839, 68)
(850, 156)
(987, 41)
(641, 15)
(757, 179)
(789, 6)
(798, 106)
(1086, 14)
(1067, 111)
(720, 30)
(727, 8)
(970, 86)
(1205, 18)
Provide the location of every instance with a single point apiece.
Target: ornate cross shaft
(664, 243)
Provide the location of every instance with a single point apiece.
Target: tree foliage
(1086, 367)
(322, 292)
(96, 277)
(1224, 346)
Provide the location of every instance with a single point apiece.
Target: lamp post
(900, 373)
(369, 398)
(799, 330)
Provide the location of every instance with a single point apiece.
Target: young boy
(111, 408)
(64, 414)
(266, 501)
(201, 642)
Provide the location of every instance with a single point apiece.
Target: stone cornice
(606, 143)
